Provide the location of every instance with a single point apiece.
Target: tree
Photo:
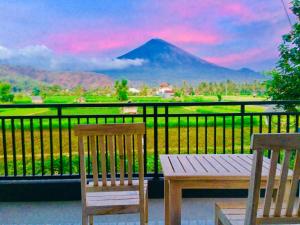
(5, 92)
(285, 82)
(122, 90)
(36, 91)
(144, 90)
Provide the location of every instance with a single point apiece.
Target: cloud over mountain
(41, 57)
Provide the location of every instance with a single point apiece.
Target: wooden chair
(284, 210)
(112, 195)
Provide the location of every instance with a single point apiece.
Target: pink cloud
(187, 35)
(91, 41)
(242, 58)
(236, 9)
(106, 40)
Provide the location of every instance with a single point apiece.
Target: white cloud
(41, 57)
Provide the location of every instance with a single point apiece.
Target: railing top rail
(158, 104)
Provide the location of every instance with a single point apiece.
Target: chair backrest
(274, 212)
(115, 143)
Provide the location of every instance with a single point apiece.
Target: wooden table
(205, 172)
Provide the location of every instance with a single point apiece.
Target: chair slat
(254, 189)
(282, 184)
(270, 184)
(103, 159)
(121, 156)
(294, 186)
(94, 160)
(110, 146)
(128, 149)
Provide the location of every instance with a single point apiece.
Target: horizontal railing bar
(83, 105)
(149, 115)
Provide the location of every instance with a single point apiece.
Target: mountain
(27, 76)
(164, 61)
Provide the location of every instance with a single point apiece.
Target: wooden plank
(177, 167)
(270, 183)
(282, 185)
(294, 186)
(109, 129)
(210, 168)
(94, 160)
(128, 149)
(187, 166)
(110, 146)
(166, 165)
(103, 159)
(224, 160)
(200, 169)
(254, 189)
(121, 156)
(216, 164)
(285, 141)
(237, 162)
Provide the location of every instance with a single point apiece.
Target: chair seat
(113, 202)
(234, 212)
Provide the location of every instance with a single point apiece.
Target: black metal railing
(37, 140)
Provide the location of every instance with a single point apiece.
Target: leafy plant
(285, 82)
(122, 90)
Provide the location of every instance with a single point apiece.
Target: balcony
(39, 154)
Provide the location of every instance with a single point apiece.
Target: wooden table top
(212, 166)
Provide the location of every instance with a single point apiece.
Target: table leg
(175, 203)
(167, 201)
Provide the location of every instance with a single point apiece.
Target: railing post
(167, 129)
(59, 114)
(155, 142)
(242, 127)
(145, 139)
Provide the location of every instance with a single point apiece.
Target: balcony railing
(37, 141)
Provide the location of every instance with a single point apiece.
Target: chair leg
(142, 217)
(91, 220)
(85, 218)
(146, 208)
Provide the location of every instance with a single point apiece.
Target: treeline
(121, 90)
(221, 88)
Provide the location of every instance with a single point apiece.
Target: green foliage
(36, 91)
(230, 88)
(219, 96)
(5, 92)
(285, 82)
(122, 90)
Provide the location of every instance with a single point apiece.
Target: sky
(90, 34)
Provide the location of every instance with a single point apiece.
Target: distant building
(165, 90)
(80, 100)
(134, 91)
(37, 100)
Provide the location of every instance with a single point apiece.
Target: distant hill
(166, 62)
(30, 77)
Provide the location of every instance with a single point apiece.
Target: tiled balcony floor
(195, 211)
